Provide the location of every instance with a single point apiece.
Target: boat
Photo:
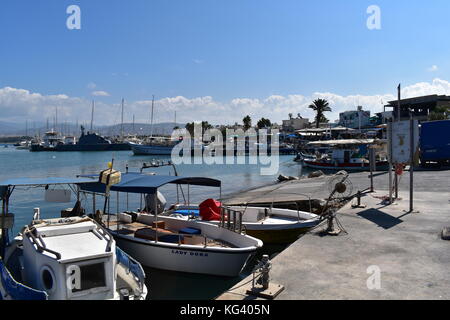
(154, 146)
(89, 141)
(169, 243)
(23, 145)
(71, 257)
(271, 225)
(349, 155)
(49, 142)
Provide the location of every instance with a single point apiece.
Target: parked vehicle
(435, 142)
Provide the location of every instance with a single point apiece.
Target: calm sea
(162, 285)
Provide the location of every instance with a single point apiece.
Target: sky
(216, 60)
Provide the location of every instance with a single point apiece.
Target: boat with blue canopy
(168, 243)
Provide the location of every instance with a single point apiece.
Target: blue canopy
(134, 182)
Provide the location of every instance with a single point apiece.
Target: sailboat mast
(121, 125)
(92, 115)
(151, 123)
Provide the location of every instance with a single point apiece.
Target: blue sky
(227, 49)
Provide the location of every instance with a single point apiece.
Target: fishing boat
(271, 225)
(66, 258)
(169, 243)
(349, 155)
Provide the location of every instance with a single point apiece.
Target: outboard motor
(150, 203)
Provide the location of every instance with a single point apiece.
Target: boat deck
(146, 232)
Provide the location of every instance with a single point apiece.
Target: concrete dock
(403, 250)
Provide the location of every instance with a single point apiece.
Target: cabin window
(47, 279)
(92, 276)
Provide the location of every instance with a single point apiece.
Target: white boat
(154, 147)
(24, 145)
(173, 244)
(271, 225)
(184, 246)
(71, 258)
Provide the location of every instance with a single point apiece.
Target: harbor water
(161, 284)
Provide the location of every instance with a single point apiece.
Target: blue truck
(435, 142)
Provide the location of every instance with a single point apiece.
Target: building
(355, 119)
(421, 107)
(294, 124)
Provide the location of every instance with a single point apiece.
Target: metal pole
(396, 185)
(371, 158)
(411, 167)
(390, 159)
(398, 120)
(156, 214)
(117, 198)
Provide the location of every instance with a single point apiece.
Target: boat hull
(383, 166)
(151, 150)
(282, 236)
(184, 258)
(80, 147)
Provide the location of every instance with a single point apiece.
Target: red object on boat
(210, 210)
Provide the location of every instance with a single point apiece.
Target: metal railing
(41, 247)
(231, 219)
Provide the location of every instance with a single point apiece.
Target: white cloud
(91, 86)
(198, 61)
(19, 104)
(100, 94)
(433, 68)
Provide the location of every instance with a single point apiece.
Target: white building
(354, 119)
(295, 124)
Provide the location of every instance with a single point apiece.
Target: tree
(190, 127)
(320, 106)
(247, 123)
(290, 116)
(264, 123)
(439, 113)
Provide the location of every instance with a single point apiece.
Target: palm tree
(247, 122)
(320, 106)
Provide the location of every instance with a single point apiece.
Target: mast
(92, 115)
(121, 125)
(151, 121)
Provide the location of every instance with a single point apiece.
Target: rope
(245, 283)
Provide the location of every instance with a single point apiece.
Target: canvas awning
(37, 182)
(134, 182)
(348, 142)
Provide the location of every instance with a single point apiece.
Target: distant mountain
(17, 129)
